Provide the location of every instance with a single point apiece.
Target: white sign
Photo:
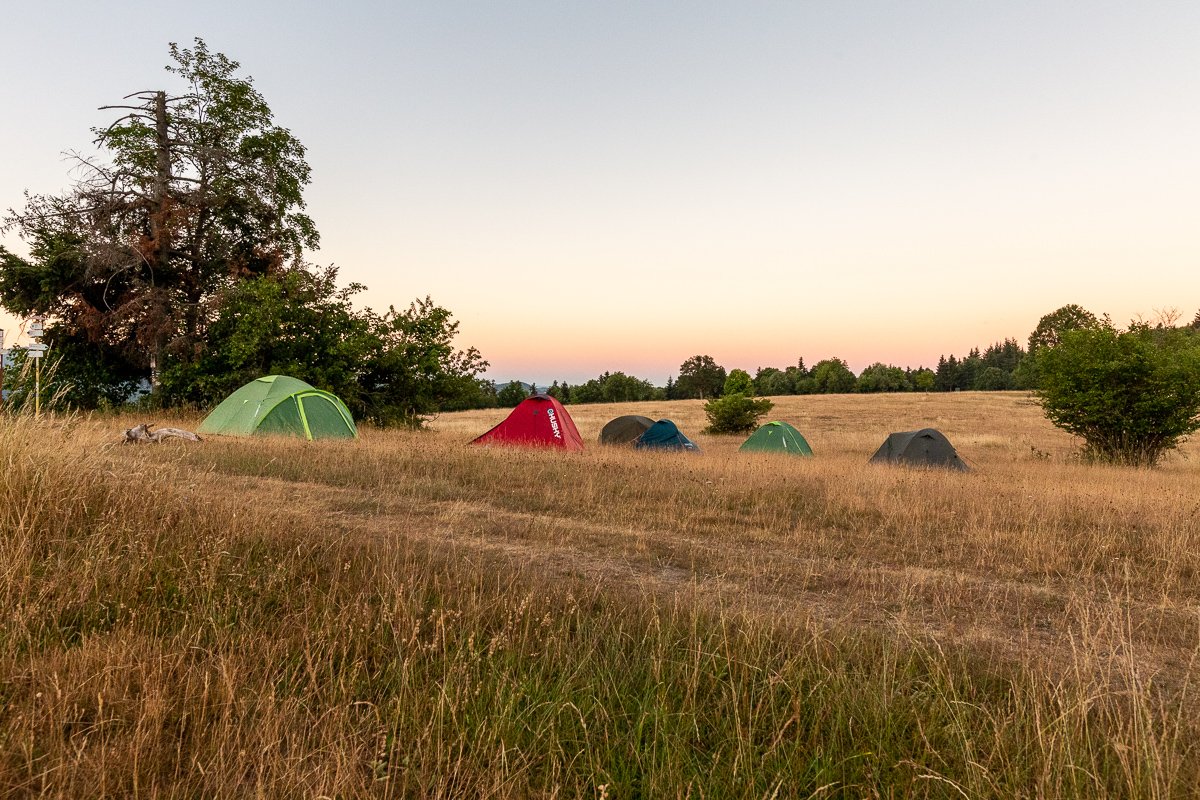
(35, 329)
(37, 347)
(35, 354)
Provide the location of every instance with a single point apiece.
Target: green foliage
(614, 387)
(195, 192)
(993, 379)
(296, 323)
(1051, 328)
(412, 368)
(883, 378)
(735, 413)
(923, 379)
(738, 382)
(179, 257)
(832, 376)
(699, 376)
(1130, 395)
(390, 369)
(1048, 333)
(511, 394)
(770, 381)
(995, 368)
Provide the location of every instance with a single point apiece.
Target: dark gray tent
(624, 430)
(924, 448)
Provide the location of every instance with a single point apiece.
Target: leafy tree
(193, 192)
(770, 381)
(392, 369)
(614, 387)
(1052, 326)
(618, 387)
(1130, 395)
(832, 376)
(414, 370)
(511, 395)
(1048, 333)
(922, 379)
(793, 380)
(738, 382)
(294, 323)
(736, 411)
(700, 376)
(993, 379)
(800, 378)
(883, 378)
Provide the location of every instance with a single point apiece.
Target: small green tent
(279, 405)
(777, 437)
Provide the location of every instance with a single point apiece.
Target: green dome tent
(777, 437)
(279, 405)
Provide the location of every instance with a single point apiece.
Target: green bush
(735, 413)
(1130, 395)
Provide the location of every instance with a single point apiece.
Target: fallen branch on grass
(140, 434)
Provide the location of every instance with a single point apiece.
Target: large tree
(700, 376)
(1130, 395)
(832, 376)
(191, 190)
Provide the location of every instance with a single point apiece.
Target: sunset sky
(596, 186)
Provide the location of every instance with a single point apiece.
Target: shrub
(735, 413)
(1130, 395)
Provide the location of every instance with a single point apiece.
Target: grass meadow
(407, 616)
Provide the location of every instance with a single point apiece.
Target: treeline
(1001, 366)
(700, 377)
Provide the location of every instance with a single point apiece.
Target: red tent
(539, 421)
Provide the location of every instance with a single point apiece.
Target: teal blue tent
(664, 435)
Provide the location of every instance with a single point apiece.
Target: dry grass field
(407, 616)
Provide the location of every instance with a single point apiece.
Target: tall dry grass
(407, 616)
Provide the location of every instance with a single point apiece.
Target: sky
(594, 186)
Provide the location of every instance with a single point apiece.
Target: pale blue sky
(593, 186)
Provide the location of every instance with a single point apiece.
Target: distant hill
(528, 387)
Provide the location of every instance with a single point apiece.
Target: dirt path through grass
(1013, 621)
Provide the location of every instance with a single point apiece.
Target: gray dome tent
(924, 448)
(624, 430)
